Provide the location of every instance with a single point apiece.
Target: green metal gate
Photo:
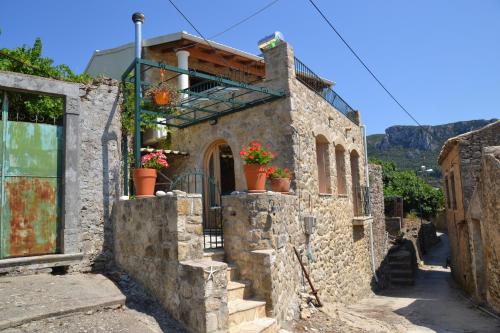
(30, 171)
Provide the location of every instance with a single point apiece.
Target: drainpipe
(367, 180)
(183, 79)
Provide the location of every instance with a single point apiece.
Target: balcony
(321, 87)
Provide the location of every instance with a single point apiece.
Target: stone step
(214, 254)
(401, 265)
(232, 273)
(402, 281)
(399, 255)
(263, 325)
(402, 273)
(238, 290)
(241, 311)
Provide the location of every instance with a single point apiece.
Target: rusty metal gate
(30, 170)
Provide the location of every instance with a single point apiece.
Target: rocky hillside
(411, 146)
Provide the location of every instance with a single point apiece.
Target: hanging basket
(161, 97)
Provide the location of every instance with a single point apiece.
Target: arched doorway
(218, 166)
(356, 187)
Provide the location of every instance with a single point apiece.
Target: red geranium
(254, 153)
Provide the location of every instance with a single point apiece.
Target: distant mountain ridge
(409, 147)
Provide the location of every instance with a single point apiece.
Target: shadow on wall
(111, 189)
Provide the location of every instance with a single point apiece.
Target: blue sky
(440, 58)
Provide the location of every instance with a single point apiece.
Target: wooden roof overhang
(216, 56)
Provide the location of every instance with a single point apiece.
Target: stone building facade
(468, 169)
(325, 151)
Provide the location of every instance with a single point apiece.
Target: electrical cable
(235, 24)
(368, 69)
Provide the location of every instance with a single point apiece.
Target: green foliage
(419, 197)
(147, 120)
(29, 60)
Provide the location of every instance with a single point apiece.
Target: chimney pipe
(138, 19)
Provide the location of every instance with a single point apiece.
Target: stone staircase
(246, 314)
(402, 272)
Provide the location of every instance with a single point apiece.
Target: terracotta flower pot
(144, 181)
(255, 175)
(161, 97)
(280, 185)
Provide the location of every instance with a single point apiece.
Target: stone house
(167, 243)
(470, 166)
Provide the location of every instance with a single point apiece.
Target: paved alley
(432, 305)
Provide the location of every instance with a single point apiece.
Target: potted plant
(161, 93)
(280, 179)
(145, 176)
(256, 159)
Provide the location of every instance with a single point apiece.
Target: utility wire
(367, 68)
(245, 19)
(198, 31)
(235, 24)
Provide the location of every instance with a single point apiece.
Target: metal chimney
(138, 19)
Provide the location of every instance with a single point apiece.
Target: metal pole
(138, 19)
(137, 113)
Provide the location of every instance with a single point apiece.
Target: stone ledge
(37, 262)
(361, 220)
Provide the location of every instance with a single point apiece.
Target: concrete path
(29, 298)
(432, 305)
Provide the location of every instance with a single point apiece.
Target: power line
(235, 24)
(198, 31)
(245, 19)
(367, 68)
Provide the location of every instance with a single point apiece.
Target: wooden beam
(258, 70)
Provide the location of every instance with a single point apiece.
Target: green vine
(29, 60)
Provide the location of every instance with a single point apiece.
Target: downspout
(367, 181)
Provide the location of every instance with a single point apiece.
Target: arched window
(323, 162)
(356, 186)
(340, 165)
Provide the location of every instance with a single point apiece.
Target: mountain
(409, 147)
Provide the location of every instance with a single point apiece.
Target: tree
(416, 193)
(29, 60)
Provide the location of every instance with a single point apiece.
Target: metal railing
(361, 201)
(314, 82)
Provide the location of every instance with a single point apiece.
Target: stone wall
(260, 233)
(462, 156)
(484, 238)
(100, 170)
(159, 242)
(470, 148)
(380, 240)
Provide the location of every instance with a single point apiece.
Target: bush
(29, 60)
(418, 196)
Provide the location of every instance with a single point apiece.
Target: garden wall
(159, 242)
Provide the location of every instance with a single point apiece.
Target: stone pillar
(183, 79)
(280, 66)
